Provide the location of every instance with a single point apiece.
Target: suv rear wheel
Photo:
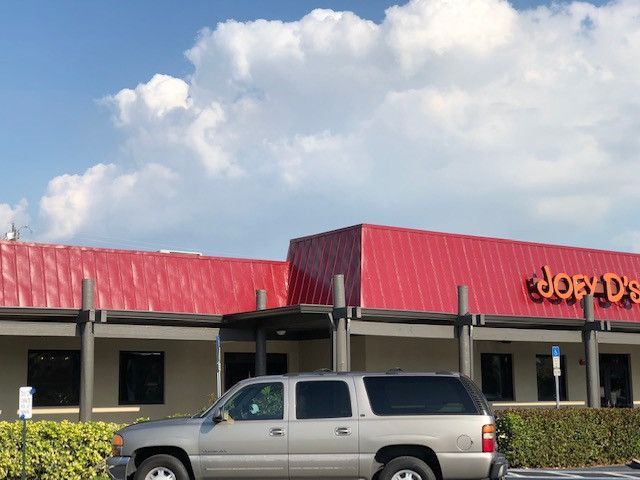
(161, 467)
(407, 468)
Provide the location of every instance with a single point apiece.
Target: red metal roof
(404, 269)
(39, 275)
(314, 260)
(384, 267)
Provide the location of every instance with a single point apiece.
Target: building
(117, 335)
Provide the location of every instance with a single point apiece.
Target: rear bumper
(499, 467)
(118, 467)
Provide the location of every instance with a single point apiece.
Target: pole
(87, 350)
(24, 449)
(340, 319)
(261, 336)
(464, 332)
(590, 340)
(218, 367)
(557, 391)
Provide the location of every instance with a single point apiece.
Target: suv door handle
(276, 432)
(343, 431)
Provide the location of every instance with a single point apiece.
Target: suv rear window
(418, 395)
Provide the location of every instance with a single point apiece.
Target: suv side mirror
(218, 415)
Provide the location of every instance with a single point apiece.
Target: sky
(231, 127)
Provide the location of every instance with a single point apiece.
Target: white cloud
(16, 214)
(460, 115)
(102, 197)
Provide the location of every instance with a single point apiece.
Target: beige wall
(190, 367)
(418, 354)
(410, 354)
(189, 374)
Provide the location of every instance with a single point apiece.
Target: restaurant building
(117, 334)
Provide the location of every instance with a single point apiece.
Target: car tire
(161, 467)
(404, 468)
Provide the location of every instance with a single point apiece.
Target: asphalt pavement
(598, 473)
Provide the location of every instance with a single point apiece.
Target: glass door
(615, 380)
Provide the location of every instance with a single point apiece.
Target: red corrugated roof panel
(419, 270)
(315, 259)
(39, 275)
(405, 269)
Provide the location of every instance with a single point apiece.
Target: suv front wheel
(161, 467)
(407, 468)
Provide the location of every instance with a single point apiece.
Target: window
(260, 401)
(238, 366)
(546, 381)
(418, 395)
(55, 374)
(322, 399)
(141, 378)
(497, 376)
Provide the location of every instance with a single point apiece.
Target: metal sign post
(25, 411)
(555, 356)
(218, 367)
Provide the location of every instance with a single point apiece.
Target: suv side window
(418, 395)
(322, 399)
(259, 401)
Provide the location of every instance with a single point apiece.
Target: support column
(340, 324)
(590, 340)
(463, 331)
(261, 336)
(87, 355)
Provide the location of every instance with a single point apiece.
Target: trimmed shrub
(574, 437)
(56, 450)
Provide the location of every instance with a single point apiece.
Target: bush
(56, 450)
(576, 437)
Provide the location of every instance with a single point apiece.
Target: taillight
(488, 438)
(116, 445)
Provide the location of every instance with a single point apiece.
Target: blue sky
(60, 59)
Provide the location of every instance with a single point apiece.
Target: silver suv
(372, 426)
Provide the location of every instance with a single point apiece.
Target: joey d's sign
(609, 288)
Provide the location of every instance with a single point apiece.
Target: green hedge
(56, 450)
(529, 438)
(573, 437)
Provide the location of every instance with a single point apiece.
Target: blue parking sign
(555, 351)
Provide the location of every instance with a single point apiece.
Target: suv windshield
(418, 395)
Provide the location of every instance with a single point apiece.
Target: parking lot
(599, 473)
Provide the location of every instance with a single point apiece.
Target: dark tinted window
(238, 366)
(497, 376)
(141, 378)
(546, 380)
(55, 374)
(260, 401)
(322, 399)
(418, 395)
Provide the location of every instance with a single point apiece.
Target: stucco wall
(189, 374)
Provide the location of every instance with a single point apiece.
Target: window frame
(233, 395)
(511, 377)
(121, 400)
(324, 380)
(71, 352)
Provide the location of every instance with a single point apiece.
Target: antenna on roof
(182, 252)
(15, 233)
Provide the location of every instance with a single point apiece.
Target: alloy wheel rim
(406, 475)
(160, 473)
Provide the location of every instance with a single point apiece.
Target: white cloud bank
(465, 116)
(17, 214)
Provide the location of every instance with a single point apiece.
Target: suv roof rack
(393, 370)
(444, 372)
(323, 370)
